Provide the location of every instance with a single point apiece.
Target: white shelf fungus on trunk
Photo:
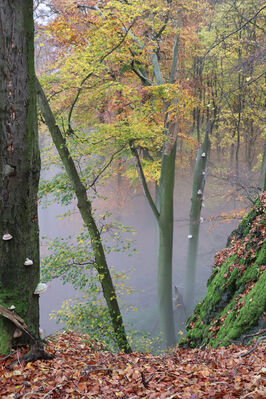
(7, 237)
(40, 289)
(28, 262)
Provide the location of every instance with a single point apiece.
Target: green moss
(236, 297)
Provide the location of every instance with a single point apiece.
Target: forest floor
(82, 369)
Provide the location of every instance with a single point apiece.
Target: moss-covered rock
(236, 299)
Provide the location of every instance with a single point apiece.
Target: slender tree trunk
(194, 224)
(85, 208)
(165, 254)
(163, 211)
(19, 169)
(262, 181)
(238, 126)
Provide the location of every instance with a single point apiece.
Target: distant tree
(19, 175)
(195, 220)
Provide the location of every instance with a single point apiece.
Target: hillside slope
(235, 303)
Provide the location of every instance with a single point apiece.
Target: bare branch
(91, 73)
(231, 33)
(106, 166)
(143, 180)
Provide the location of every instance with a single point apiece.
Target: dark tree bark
(19, 169)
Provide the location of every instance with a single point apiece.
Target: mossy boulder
(235, 303)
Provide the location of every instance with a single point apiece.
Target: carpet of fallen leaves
(81, 369)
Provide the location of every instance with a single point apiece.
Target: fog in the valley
(129, 206)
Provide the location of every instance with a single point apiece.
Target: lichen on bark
(236, 297)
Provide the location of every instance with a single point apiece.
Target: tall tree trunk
(262, 180)
(19, 169)
(165, 254)
(85, 208)
(194, 224)
(163, 211)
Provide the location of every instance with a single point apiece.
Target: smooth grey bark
(165, 253)
(162, 207)
(164, 218)
(85, 208)
(195, 219)
(19, 169)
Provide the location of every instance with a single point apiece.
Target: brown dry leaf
(78, 371)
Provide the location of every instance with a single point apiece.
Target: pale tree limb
(143, 180)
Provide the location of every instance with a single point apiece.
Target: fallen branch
(255, 334)
(36, 351)
(18, 321)
(254, 347)
(6, 357)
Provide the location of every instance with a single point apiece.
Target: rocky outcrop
(235, 303)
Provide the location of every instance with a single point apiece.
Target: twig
(232, 33)
(106, 166)
(254, 347)
(255, 334)
(91, 73)
(96, 367)
(33, 392)
(6, 357)
(248, 394)
(144, 380)
(57, 386)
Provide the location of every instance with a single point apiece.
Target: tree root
(36, 348)
(36, 352)
(254, 347)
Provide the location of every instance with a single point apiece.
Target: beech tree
(19, 175)
(138, 89)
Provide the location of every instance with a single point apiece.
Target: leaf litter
(81, 368)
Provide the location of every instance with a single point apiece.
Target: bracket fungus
(28, 262)
(203, 155)
(199, 192)
(17, 333)
(7, 237)
(189, 236)
(40, 289)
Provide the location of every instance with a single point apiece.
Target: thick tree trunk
(19, 169)
(85, 208)
(194, 224)
(165, 254)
